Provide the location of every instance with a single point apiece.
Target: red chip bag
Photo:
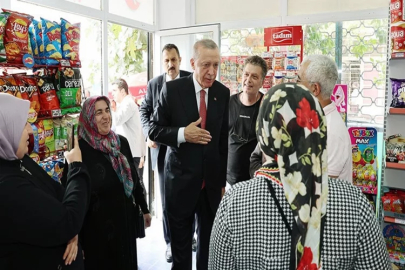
(28, 89)
(386, 200)
(397, 203)
(396, 11)
(16, 36)
(47, 94)
(9, 86)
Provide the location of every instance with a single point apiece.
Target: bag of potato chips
(70, 40)
(16, 41)
(38, 37)
(70, 91)
(51, 34)
(9, 86)
(3, 21)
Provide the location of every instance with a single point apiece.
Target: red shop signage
(283, 36)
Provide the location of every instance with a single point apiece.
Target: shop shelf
(398, 55)
(394, 215)
(394, 165)
(397, 111)
(394, 220)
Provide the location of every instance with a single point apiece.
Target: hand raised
(194, 134)
(74, 155)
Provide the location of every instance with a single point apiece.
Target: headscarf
(13, 118)
(109, 144)
(291, 130)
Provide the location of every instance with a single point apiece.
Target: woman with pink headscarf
(39, 219)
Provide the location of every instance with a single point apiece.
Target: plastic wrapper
(70, 93)
(70, 40)
(47, 94)
(51, 34)
(3, 21)
(398, 93)
(28, 90)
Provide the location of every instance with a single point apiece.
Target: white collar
(197, 86)
(168, 78)
(328, 109)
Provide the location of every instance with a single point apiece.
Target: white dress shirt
(339, 145)
(168, 78)
(128, 124)
(180, 135)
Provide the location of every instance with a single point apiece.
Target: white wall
(175, 13)
(300, 7)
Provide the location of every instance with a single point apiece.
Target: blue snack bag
(38, 37)
(51, 34)
(33, 42)
(36, 138)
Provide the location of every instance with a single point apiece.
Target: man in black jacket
(191, 118)
(171, 64)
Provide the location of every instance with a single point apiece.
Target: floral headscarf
(109, 144)
(291, 130)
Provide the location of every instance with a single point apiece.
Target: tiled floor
(152, 249)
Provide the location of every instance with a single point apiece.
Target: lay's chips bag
(70, 40)
(51, 34)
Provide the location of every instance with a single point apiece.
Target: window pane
(90, 42)
(128, 58)
(138, 10)
(96, 4)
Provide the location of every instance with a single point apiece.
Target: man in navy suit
(171, 61)
(191, 118)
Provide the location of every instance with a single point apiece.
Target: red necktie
(203, 109)
(203, 115)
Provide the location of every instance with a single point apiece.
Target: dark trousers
(160, 169)
(137, 160)
(182, 241)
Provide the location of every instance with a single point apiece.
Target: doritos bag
(70, 90)
(70, 40)
(9, 86)
(3, 21)
(51, 34)
(29, 90)
(39, 40)
(47, 94)
(16, 36)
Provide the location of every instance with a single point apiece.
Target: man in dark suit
(192, 120)
(171, 61)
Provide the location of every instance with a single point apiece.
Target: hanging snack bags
(278, 62)
(47, 94)
(292, 61)
(3, 21)
(70, 90)
(9, 86)
(34, 44)
(51, 34)
(39, 40)
(70, 40)
(396, 11)
(16, 36)
(49, 137)
(41, 138)
(28, 90)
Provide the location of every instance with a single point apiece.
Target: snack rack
(392, 195)
(51, 83)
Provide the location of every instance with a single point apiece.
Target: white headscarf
(13, 118)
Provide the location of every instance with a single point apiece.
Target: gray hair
(257, 61)
(205, 43)
(323, 70)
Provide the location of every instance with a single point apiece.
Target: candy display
(292, 61)
(364, 149)
(278, 62)
(395, 149)
(396, 10)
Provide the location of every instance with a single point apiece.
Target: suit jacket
(149, 104)
(187, 164)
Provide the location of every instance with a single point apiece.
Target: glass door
(184, 39)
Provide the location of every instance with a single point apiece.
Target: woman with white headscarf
(291, 216)
(39, 219)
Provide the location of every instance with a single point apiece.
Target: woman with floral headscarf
(109, 233)
(291, 216)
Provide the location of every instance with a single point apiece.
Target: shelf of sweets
(400, 111)
(397, 257)
(394, 220)
(394, 165)
(367, 189)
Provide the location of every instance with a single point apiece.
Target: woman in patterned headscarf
(291, 216)
(109, 233)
